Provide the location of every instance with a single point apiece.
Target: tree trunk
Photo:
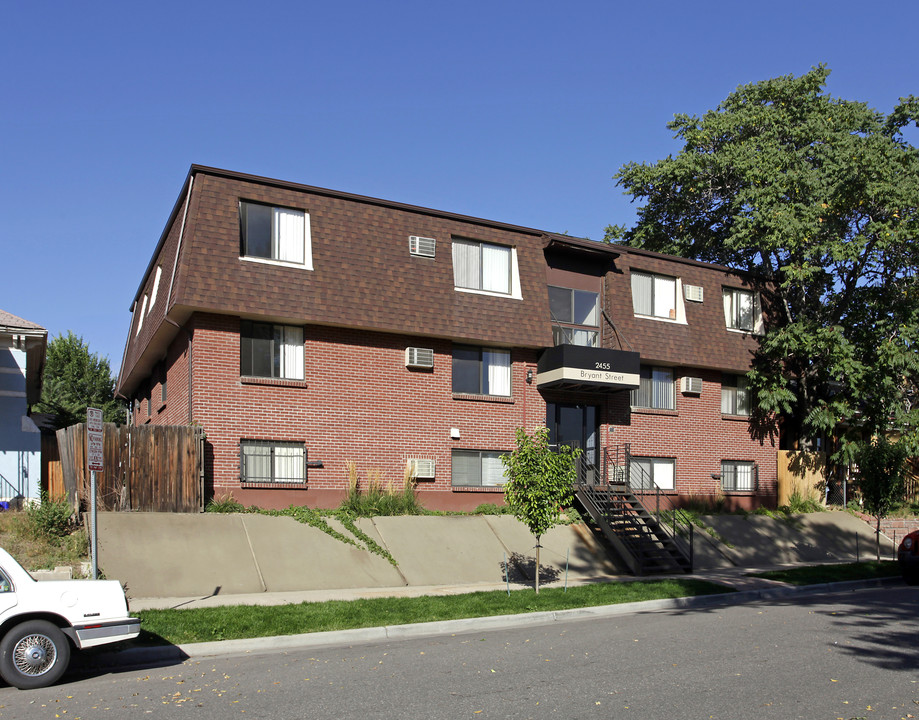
(877, 540)
(537, 565)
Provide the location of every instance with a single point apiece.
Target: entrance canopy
(574, 367)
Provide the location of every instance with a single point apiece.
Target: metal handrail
(617, 470)
(16, 491)
(669, 516)
(609, 505)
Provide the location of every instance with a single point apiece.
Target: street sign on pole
(94, 455)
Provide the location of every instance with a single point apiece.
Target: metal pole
(94, 537)
(507, 578)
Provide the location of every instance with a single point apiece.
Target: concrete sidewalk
(254, 560)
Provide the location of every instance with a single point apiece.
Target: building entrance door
(577, 427)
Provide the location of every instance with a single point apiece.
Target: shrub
(492, 509)
(50, 518)
(379, 500)
(225, 504)
(799, 504)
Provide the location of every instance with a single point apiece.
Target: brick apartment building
(305, 329)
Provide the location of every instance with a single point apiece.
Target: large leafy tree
(817, 197)
(75, 379)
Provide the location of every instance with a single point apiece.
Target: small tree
(881, 479)
(540, 482)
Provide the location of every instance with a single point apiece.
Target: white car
(39, 621)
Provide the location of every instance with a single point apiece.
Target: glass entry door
(577, 427)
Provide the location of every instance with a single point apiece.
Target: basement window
(265, 462)
(477, 468)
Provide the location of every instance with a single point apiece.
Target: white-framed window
(478, 468)
(735, 395)
(655, 388)
(570, 307)
(275, 234)
(156, 286)
(141, 316)
(272, 351)
(740, 309)
(481, 371)
(738, 476)
(484, 267)
(654, 295)
(647, 470)
(268, 461)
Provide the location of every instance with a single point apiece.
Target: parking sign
(94, 439)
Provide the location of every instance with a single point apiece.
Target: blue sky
(513, 111)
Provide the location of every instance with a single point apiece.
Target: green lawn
(816, 574)
(248, 621)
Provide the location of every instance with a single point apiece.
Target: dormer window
(275, 234)
(740, 309)
(654, 295)
(485, 268)
(481, 266)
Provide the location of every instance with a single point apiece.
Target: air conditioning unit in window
(421, 468)
(419, 357)
(423, 246)
(693, 292)
(691, 385)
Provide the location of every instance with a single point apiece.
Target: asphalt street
(838, 655)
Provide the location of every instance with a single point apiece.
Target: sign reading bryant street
(584, 368)
(94, 455)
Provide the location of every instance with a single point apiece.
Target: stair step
(637, 531)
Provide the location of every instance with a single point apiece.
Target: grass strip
(817, 574)
(249, 621)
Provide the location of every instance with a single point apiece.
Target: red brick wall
(359, 402)
(893, 528)
(699, 437)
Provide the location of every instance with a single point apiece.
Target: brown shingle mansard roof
(364, 277)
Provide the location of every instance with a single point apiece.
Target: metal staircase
(643, 524)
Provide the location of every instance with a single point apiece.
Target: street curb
(158, 655)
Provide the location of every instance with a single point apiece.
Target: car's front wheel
(33, 654)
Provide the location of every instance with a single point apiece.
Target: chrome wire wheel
(34, 655)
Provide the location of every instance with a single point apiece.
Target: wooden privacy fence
(803, 473)
(912, 480)
(148, 468)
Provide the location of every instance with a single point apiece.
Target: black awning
(574, 367)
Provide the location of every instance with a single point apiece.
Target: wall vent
(422, 246)
(691, 385)
(421, 468)
(693, 292)
(419, 357)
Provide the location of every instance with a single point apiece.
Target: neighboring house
(22, 362)
(305, 329)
